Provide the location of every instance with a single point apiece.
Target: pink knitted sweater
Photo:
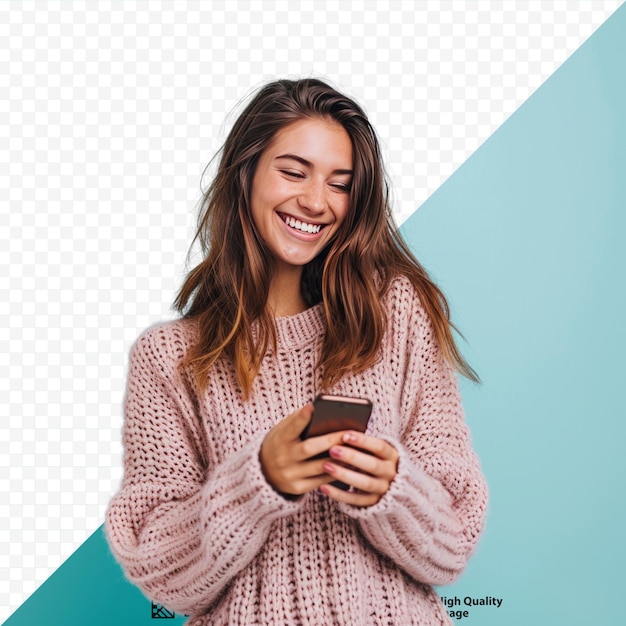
(198, 528)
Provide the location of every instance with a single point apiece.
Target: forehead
(319, 141)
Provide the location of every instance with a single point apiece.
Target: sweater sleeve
(430, 519)
(181, 527)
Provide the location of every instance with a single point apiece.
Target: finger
(378, 447)
(306, 470)
(364, 462)
(310, 448)
(365, 483)
(305, 484)
(296, 422)
(350, 497)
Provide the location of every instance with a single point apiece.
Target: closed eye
(295, 175)
(292, 174)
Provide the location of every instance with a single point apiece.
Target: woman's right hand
(287, 461)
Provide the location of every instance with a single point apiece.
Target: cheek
(259, 203)
(267, 195)
(342, 211)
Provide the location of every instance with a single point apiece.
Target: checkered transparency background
(109, 113)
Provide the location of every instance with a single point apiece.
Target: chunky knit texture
(198, 528)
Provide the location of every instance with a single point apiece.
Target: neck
(284, 297)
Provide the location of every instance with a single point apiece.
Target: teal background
(527, 240)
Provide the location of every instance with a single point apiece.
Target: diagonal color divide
(526, 239)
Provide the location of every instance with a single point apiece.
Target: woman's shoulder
(166, 343)
(402, 297)
(409, 323)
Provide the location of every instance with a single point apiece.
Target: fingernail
(328, 468)
(335, 453)
(349, 437)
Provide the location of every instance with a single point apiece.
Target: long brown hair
(227, 291)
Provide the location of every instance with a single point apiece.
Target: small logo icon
(160, 612)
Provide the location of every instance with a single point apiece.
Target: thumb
(297, 421)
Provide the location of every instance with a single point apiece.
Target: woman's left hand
(367, 464)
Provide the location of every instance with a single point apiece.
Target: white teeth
(303, 226)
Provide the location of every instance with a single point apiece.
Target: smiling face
(301, 190)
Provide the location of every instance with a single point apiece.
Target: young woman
(224, 513)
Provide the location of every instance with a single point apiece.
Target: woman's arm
(429, 520)
(181, 527)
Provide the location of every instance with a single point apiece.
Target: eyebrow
(306, 163)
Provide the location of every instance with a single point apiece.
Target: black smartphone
(334, 413)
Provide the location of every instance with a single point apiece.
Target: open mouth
(303, 227)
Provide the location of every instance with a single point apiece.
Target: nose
(313, 196)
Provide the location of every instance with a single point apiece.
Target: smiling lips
(303, 227)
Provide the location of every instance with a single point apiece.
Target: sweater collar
(297, 331)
